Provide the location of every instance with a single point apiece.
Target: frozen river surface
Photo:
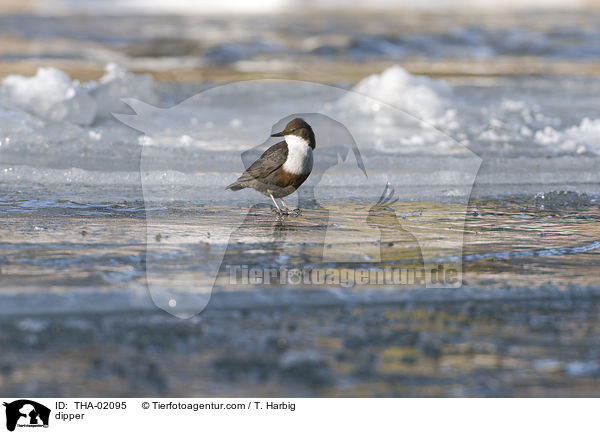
(104, 218)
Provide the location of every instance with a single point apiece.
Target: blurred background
(331, 40)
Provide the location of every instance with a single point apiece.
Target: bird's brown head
(298, 127)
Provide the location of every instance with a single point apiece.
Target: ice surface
(101, 167)
(555, 200)
(117, 83)
(56, 131)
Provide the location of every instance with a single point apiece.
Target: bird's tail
(235, 186)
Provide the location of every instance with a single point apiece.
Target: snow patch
(422, 97)
(584, 137)
(51, 95)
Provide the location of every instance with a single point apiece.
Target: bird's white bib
(300, 159)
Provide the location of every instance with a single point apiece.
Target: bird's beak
(277, 134)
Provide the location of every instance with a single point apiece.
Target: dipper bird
(282, 168)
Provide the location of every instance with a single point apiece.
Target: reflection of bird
(396, 243)
(269, 232)
(263, 241)
(283, 167)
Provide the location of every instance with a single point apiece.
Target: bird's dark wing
(271, 160)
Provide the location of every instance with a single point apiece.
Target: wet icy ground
(524, 345)
(74, 302)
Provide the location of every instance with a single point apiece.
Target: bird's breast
(299, 160)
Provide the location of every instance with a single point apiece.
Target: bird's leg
(276, 206)
(296, 211)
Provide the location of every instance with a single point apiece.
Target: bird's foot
(286, 211)
(280, 211)
(293, 212)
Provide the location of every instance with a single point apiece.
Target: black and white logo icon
(26, 413)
